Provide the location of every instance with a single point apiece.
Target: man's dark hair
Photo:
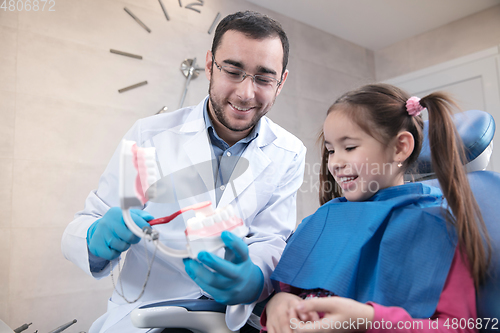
(254, 25)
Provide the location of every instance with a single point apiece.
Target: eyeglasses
(235, 74)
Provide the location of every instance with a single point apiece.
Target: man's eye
(263, 80)
(232, 72)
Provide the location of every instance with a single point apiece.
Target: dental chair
(476, 128)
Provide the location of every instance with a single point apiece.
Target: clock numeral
(140, 84)
(216, 19)
(164, 10)
(136, 19)
(192, 4)
(126, 54)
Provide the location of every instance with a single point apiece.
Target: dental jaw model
(137, 177)
(203, 231)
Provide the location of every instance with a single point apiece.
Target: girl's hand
(281, 314)
(339, 312)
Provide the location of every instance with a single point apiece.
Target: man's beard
(217, 106)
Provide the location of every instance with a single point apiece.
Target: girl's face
(359, 163)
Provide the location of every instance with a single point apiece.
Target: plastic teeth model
(202, 232)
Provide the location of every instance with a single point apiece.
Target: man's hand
(109, 236)
(238, 281)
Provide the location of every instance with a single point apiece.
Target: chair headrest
(475, 127)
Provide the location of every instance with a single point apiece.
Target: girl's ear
(405, 143)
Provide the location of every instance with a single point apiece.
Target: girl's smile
(360, 164)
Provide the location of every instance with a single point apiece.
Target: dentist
(246, 68)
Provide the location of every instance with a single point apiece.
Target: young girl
(387, 256)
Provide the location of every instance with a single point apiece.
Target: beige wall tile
(41, 279)
(49, 193)
(291, 87)
(66, 131)
(105, 25)
(285, 113)
(8, 38)
(66, 70)
(308, 193)
(7, 123)
(6, 183)
(150, 4)
(393, 60)
(311, 115)
(38, 268)
(49, 312)
(4, 310)
(471, 34)
(5, 260)
(307, 200)
(325, 84)
(8, 53)
(330, 51)
(91, 22)
(8, 18)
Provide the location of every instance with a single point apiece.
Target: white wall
(61, 118)
(471, 34)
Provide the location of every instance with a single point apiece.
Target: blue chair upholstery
(477, 128)
(486, 188)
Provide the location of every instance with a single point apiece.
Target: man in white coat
(200, 151)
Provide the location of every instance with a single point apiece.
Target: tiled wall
(471, 34)
(61, 118)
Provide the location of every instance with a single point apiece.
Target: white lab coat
(265, 199)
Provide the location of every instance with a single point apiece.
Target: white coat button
(222, 188)
(228, 153)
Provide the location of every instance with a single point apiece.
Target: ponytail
(448, 157)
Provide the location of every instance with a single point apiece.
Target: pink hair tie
(413, 106)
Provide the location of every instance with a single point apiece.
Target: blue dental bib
(394, 249)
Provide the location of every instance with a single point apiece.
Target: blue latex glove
(109, 236)
(238, 281)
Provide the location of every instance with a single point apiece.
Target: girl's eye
(330, 152)
(350, 148)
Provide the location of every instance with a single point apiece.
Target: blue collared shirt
(225, 157)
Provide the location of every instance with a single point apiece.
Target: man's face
(235, 107)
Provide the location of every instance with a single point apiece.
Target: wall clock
(188, 67)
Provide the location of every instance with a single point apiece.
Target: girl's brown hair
(380, 110)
